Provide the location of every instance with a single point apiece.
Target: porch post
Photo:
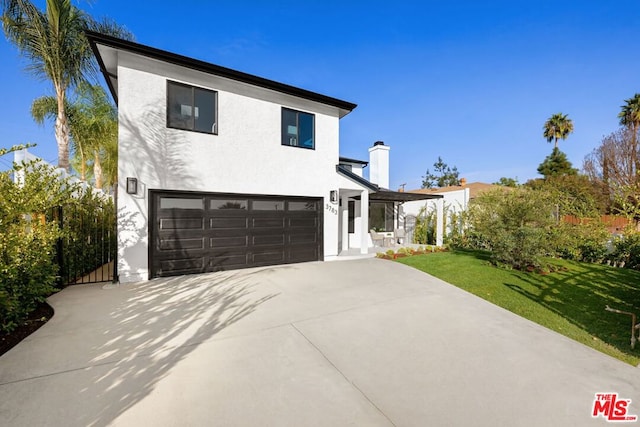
(344, 230)
(364, 222)
(439, 221)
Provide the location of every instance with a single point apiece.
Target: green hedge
(29, 237)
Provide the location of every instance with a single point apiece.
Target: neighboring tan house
(219, 169)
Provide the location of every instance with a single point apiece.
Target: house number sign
(331, 209)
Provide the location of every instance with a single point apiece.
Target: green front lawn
(570, 301)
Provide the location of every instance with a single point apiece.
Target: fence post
(58, 215)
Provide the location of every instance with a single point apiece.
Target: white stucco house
(219, 169)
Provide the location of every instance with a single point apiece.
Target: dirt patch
(35, 320)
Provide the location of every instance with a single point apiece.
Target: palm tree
(55, 44)
(558, 126)
(630, 117)
(93, 126)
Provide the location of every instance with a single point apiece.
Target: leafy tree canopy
(612, 166)
(573, 195)
(558, 126)
(55, 46)
(507, 182)
(442, 175)
(556, 164)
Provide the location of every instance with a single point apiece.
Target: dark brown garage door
(200, 232)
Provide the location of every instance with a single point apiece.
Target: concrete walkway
(360, 343)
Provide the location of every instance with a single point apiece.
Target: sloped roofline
(356, 161)
(382, 194)
(96, 39)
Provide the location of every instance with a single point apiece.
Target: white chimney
(379, 164)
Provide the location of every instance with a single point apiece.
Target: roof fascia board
(180, 60)
(356, 161)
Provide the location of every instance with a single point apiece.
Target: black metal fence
(87, 251)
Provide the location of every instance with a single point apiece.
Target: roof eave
(96, 39)
(357, 179)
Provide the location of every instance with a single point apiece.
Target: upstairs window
(192, 108)
(298, 129)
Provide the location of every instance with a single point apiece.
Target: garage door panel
(173, 244)
(269, 256)
(268, 240)
(228, 204)
(303, 222)
(229, 222)
(224, 259)
(303, 254)
(309, 237)
(305, 206)
(181, 203)
(267, 222)
(229, 241)
(199, 232)
(182, 265)
(276, 205)
(181, 224)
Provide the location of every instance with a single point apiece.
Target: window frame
(298, 113)
(388, 215)
(193, 91)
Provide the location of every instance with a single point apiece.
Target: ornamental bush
(29, 235)
(585, 242)
(28, 239)
(626, 249)
(515, 225)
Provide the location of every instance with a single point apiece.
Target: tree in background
(630, 118)
(612, 166)
(556, 164)
(574, 195)
(507, 182)
(54, 43)
(558, 126)
(442, 176)
(93, 125)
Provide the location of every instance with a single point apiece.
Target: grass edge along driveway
(570, 301)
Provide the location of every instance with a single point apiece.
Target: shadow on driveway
(119, 344)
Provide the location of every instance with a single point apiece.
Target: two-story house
(219, 169)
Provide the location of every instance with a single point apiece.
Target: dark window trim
(298, 126)
(193, 87)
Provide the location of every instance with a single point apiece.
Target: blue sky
(472, 82)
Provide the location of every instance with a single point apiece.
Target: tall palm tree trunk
(634, 152)
(62, 132)
(97, 170)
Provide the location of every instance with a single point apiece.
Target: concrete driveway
(361, 343)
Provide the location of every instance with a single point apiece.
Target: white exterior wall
(453, 202)
(357, 169)
(245, 157)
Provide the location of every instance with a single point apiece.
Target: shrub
(27, 270)
(514, 225)
(581, 242)
(27, 240)
(626, 248)
(425, 229)
(29, 234)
